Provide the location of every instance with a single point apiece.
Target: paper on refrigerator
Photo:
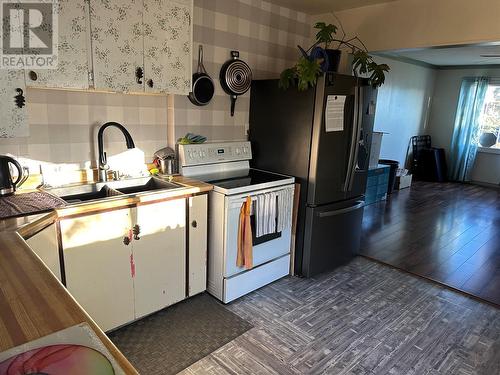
(334, 113)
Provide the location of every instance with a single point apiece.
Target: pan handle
(233, 104)
(201, 67)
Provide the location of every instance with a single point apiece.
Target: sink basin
(85, 193)
(143, 185)
(102, 190)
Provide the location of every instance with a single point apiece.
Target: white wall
(423, 23)
(444, 104)
(486, 168)
(442, 118)
(402, 106)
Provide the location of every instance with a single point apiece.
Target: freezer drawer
(332, 236)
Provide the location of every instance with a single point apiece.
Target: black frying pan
(203, 86)
(235, 78)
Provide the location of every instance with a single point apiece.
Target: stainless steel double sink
(101, 190)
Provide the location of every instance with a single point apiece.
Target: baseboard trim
(486, 184)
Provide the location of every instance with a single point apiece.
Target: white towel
(265, 215)
(285, 208)
(273, 211)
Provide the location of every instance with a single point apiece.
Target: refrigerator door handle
(351, 164)
(358, 205)
(358, 115)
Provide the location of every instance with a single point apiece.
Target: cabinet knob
(139, 74)
(126, 241)
(150, 83)
(19, 98)
(136, 230)
(194, 224)
(33, 76)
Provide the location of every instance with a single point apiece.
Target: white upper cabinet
(72, 46)
(167, 45)
(13, 114)
(131, 45)
(13, 117)
(117, 44)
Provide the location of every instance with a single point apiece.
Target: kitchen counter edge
(33, 303)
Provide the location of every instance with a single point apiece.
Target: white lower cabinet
(197, 244)
(160, 256)
(97, 266)
(45, 245)
(116, 282)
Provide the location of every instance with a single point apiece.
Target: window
(489, 121)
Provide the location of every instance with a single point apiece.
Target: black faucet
(102, 155)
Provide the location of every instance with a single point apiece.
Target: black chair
(428, 163)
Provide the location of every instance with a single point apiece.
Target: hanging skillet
(235, 78)
(203, 86)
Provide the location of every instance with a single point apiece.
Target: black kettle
(7, 185)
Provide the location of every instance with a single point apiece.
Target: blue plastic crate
(376, 184)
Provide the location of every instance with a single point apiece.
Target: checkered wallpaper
(266, 35)
(63, 124)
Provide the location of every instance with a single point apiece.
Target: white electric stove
(226, 166)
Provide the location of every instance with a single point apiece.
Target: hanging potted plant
(316, 60)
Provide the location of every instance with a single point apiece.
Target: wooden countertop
(33, 303)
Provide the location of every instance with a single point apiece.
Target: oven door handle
(239, 202)
(233, 203)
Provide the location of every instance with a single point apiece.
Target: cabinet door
(159, 254)
(197, 251)
(72, 50)
(98, 266)
(117, 44)
(45, 245)
(13, 120)
(168, 45)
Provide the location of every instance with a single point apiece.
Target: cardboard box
(403, 182)
(375, 149)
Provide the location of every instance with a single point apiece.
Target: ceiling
(453, 55)
(325, 6)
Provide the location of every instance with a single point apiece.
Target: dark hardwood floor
(447, 232)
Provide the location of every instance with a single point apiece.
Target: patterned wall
(266, 36)
(63, 125)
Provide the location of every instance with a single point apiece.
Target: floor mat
(172, 339)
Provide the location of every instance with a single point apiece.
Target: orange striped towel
(245, 255)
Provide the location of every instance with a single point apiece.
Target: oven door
(265, 248)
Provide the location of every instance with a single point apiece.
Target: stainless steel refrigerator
(321, 136)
